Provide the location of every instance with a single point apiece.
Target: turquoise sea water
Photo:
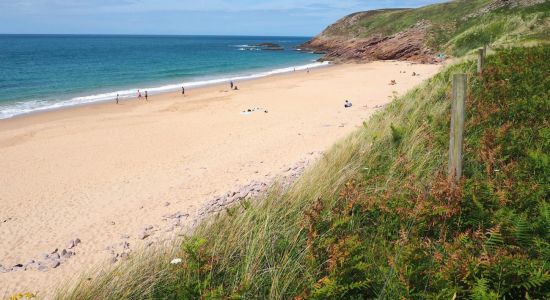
(40, 72)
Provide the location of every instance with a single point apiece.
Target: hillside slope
(377, 218)
(452, 28)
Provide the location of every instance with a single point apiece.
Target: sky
(183, 17)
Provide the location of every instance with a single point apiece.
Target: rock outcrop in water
(270, 46)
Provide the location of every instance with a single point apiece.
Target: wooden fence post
(480, 60)
(457, 126)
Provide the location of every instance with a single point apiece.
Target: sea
(45, 72)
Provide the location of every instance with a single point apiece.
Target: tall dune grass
(375, 218)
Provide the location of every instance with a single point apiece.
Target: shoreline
(104, 173)
(130, 94)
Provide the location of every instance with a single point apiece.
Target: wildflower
(176, 261)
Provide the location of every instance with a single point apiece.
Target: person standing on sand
(146, 95)
(183, 90)
(116, 98)
(231, 84)
(139, 94)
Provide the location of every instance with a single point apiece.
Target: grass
(376, 217)
(452, 31)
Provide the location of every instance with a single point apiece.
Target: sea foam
(24, 107)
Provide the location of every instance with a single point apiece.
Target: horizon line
(159, 35)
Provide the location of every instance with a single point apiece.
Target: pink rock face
(406, 45)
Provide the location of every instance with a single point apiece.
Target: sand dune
(102, 173)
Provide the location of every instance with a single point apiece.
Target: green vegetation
(456, 27)
(376, 216)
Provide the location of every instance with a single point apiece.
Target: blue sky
(224, 17)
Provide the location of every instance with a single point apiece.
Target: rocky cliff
(413, 34)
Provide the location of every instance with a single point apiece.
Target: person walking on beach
(231, 84)
(139, 94)
(146, 95)
(116, 98)
(183, 90)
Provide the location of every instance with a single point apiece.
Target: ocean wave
(250, 49)
(24, 107)
(245, 46)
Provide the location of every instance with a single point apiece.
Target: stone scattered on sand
(52, 259)
(54, 264)
(4, 269)
(143, 235)
(166, 203)
(177, 215)
(67, 254)
(31, 266)
(42, 268)
(252, 190)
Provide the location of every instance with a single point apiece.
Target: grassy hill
(376, 217)
(419, 34)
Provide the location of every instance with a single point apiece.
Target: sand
(103, 171)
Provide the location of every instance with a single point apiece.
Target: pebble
(54, 264)
(4, 270)
(31, 266)
(55, 256)
(18, 267)
(178, 215)
(42, 268)
(143, 235)
(68, 254)
(166, 203)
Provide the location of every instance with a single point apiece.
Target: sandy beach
(103, 173)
